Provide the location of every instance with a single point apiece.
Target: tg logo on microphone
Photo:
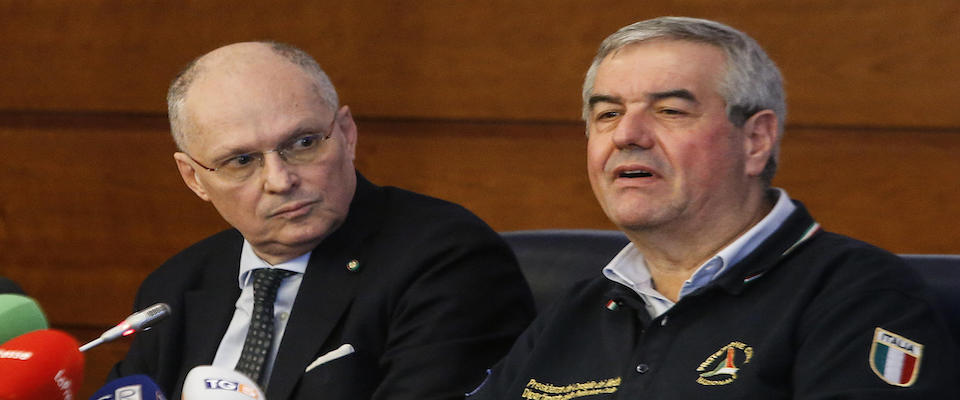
(131, 392)
(222, 384)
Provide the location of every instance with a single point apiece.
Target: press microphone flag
(206, 382)
(19, 314)
(137, 322)
(133, 387)
(40, 365)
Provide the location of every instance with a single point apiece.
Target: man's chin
(634, 219)
(287, 245)
(302, 239)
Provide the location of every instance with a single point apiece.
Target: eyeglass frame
(278, 150)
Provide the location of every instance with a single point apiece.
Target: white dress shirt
(232, 343)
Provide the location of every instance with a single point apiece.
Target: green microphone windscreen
(19, 314)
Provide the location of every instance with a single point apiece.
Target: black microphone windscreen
(9, 286)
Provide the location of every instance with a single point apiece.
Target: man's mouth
(636, 173)
(292, 208)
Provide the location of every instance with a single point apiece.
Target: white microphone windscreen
(206, 382)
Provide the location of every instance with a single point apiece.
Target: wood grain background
(475, 102)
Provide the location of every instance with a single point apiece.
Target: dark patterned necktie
(259, 340)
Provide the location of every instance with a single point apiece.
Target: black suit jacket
(437, 299)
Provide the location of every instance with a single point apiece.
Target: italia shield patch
(894, 358)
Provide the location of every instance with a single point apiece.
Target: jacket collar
(209, 307)
(328, 288)
(793, 234)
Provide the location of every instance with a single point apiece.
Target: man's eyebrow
(676, 93)
(656, 96)
(295, 133)
(602, 98)
(300, 131)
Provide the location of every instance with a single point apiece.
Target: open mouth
(637, 173)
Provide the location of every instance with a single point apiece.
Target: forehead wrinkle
(307, 114)
(667, 63)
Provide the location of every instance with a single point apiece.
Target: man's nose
(278, 176)
(634, 130)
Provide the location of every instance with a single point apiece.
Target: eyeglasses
(296, 151)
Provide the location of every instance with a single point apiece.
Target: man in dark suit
(376, 292)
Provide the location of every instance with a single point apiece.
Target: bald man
(355, 291)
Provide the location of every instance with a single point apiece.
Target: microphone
(139, 321)
(133, 387)
(8, 286)
(19, 314)
(40, 365)
(206, 382)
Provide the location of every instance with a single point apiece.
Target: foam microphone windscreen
(40, 365)
(133, 387)
(8, 286)
(206, 382)
(19, 314)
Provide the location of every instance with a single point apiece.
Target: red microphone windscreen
(45, 364)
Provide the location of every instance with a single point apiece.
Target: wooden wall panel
(471, 102)
(896, 189)
(88, 210)
(859, 62)
(90, 205)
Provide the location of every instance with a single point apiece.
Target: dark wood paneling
(89, 205)
(89, 208)
(90, 201)
(860, 63)
(896, 189)
(514, 176)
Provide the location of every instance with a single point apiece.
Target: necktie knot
(266, 282)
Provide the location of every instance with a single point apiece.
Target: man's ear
(349, 130)
(188, 171)
(761, 131)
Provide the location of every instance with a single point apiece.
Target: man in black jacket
(355, 291)
(728, 289)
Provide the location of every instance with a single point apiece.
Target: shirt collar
(629, 268)
(250, 261)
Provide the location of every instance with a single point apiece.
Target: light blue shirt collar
(250, 261)
(629, 268)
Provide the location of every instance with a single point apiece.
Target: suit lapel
(326, 292)
(209, 309)
(208, 313)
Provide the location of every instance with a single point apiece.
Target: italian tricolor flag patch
(894, 358)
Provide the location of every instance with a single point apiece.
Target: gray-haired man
(728, 289)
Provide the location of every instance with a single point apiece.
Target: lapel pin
(353, 265)
(613, 305)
